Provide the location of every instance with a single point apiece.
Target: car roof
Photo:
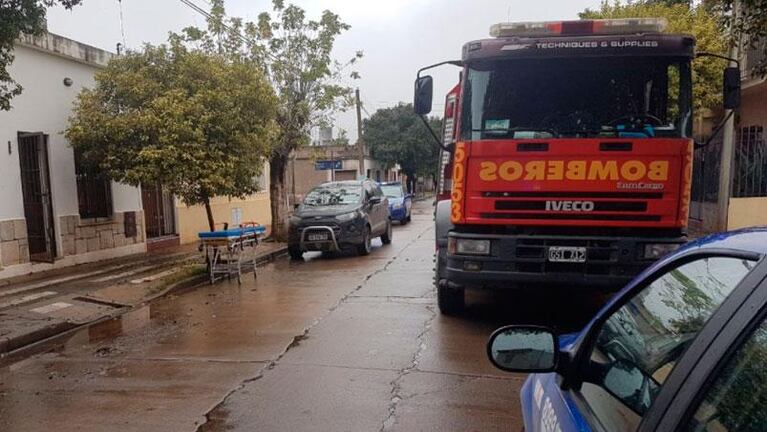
(747, 239)
(343, 183)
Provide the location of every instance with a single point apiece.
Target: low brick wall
(81, 236)
(14, 245)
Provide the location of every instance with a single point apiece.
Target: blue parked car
(400, 203)
(683, 347)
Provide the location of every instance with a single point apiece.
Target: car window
(639, 344)
(737, 397)
(369, 192)
(393, 190)
(333, 194)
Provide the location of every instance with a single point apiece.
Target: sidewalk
(42, 305)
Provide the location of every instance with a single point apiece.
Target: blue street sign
(323, 165)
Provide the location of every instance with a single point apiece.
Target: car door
(630, 352)
(372, 208)
(382, 208)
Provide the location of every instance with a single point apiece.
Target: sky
(397, 36)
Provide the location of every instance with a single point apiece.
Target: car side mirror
(523, 349)
(375, 200)
(731, 87)
(627, 382)
(296, 206)
(423, 95)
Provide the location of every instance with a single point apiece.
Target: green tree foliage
(695, 20)
(397, 136)
(749, 25)
(296, 54)
(199, 123)
(19, 17)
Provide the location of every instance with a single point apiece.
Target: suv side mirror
(423, 95)
(731, 87)
(523, 349)
(375, 200)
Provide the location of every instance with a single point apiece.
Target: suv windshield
(586, 97)
(334, 194)
(392, 190)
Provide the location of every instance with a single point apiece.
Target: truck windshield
(576, 98)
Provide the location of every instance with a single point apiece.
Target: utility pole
(360, 142)
(728, 144)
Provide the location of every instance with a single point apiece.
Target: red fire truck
(567, 154)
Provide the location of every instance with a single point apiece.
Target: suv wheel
(295, 253)
(386, 236)
(364, 247)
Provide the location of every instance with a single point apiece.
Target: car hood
(305, 211)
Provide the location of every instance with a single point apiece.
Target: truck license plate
(318, 237)
(567, 254)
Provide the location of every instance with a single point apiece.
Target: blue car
(400, 203)
(683, 347)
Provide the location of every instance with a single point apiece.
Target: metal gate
(158, 211)
(36, 190)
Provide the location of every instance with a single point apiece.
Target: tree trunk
(209, 212)
(410, 182)
(278, 165)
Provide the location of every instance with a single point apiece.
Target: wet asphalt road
(343, 344)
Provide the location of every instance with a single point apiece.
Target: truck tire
(451, 301)
(386, 236)
(364, 247)
(295, 253)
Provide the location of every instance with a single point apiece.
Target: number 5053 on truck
(567, 154)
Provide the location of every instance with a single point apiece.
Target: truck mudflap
(602, 262)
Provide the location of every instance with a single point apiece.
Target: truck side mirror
(731, 87)
(423, 95)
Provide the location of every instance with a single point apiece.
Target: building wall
(192, 220)
(753, 109)
(752, 211)
(41, 66)
(747, 212)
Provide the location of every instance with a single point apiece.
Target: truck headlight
(658, 250)
(346, 216)
(459, 246)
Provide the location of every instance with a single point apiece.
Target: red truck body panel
(573, 182)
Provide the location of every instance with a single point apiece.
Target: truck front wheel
(452, 301)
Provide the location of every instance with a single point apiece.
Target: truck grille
(629, 206)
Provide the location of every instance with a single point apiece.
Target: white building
(52, 213)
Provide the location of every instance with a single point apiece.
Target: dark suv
(340, 215)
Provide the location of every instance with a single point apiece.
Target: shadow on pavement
(555, 307)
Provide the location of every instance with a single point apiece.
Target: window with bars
(94, 191)
(750, 173)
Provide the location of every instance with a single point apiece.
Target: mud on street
(332, 343)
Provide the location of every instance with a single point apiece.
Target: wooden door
(36, 191)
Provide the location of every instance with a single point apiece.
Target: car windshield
(392, 190)
(334, 194)
(585, 97)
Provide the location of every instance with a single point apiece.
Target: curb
(26, 344)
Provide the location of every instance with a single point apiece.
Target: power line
(122, 22)
(207, 15)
